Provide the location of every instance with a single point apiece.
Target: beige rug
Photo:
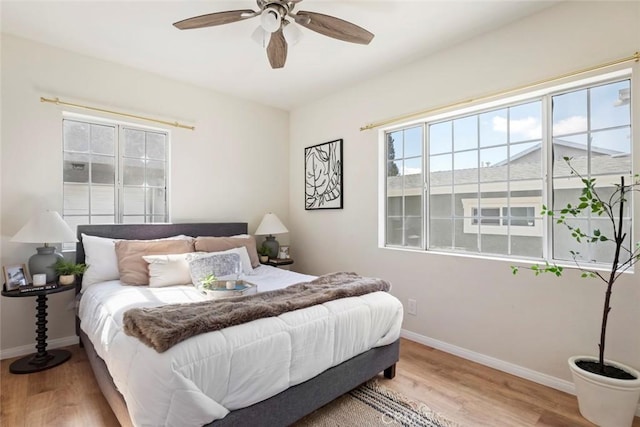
(374, 405)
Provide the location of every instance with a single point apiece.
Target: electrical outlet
(412, 307)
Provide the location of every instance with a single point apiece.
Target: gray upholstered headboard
(156, 231)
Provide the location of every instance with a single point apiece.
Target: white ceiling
(224, 58)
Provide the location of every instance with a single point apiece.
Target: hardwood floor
(475, 395)
(67, 395)
(462, 391)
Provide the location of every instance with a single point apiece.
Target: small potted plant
(67, 271)
(263, 251)
(607, 391)
(209, 282)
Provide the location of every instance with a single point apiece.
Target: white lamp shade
(270, 19)
(271, 224)
(45, 227)
(261, 37)
(291, 33)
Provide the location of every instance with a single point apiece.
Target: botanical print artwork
(323, 176)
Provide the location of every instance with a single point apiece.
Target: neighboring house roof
(605, 166)
(565, 144)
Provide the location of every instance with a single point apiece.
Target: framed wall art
(323, 176)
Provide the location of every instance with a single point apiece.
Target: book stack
(31, 288)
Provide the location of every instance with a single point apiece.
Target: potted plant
(263, 251)
(209, 282)
(607, 391)
(67, 271)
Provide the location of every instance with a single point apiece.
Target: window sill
(512, 261)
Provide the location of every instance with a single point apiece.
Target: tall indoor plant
(607, 391)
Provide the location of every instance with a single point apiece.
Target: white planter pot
(606, 402)
(67, 279)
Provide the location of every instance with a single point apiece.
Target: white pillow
(241, 250)
(100, 257)
(102, 262)
(168, 270)
(221, 265)
(173, 269)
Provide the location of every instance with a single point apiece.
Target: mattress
(204, 377)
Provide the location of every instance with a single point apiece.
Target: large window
(476, 182)
(113, 173)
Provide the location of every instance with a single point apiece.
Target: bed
(280, 404)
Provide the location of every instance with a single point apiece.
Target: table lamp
(271, 225)
(46, 227)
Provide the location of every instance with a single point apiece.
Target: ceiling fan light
(270, 19)
(292, 33)
(261, 37)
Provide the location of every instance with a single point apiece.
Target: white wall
(216, 174)
(475, 304)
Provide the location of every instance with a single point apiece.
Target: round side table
(42, 359)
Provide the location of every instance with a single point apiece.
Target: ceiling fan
(275, 31)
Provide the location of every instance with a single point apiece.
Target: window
(404, 187)
(475, 182)
(113, 173)
(593, 126)
(518, 216)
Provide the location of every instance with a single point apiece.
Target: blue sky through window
(604, 110)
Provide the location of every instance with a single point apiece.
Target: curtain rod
(635, 57)
(102, 110)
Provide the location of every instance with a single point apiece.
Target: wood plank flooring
(462, 391)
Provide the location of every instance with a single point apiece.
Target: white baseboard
(492, 362)
(28, 349)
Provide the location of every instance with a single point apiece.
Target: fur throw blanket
(163, 327)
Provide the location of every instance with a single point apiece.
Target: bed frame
(280, 410)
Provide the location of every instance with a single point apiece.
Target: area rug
(371, 404)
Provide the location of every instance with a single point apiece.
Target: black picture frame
(323, 176)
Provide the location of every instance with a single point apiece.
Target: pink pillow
(133, 269)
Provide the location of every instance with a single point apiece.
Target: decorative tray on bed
(219, 289)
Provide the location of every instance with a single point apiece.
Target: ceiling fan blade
(333, 27)
(212, 19)
(277, 49)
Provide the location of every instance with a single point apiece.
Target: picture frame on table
(323, 176)
(15, 276)
(283, 253)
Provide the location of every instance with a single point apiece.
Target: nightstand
(42, 359)
(280, 263)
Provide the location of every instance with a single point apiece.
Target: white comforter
(203, 378)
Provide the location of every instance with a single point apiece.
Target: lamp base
(43, 262)
(272, 245)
